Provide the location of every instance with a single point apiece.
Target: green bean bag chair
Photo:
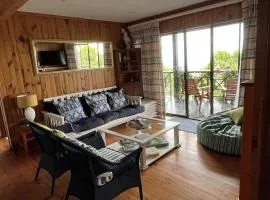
(221, 133)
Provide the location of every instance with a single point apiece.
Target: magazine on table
(156, 142)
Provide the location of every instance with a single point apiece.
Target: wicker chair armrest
(134, 100)
(53, 120)
(134, 154)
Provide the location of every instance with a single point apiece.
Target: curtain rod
(188, 12)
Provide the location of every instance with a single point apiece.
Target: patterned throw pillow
(117, 100)
(97, 103)
(71, 109)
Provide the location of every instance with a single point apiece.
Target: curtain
(247, 71)
(107, 54)
(71, 56)
(147, 37)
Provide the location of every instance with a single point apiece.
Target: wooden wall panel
(208, 17)
(16, 69)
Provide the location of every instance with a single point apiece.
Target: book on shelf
(157, 142)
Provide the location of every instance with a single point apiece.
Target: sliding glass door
(201, 69)
(198, 72)
(226, 53)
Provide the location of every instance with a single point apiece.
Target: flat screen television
(51, 58)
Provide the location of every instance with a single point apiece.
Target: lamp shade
(28, 100)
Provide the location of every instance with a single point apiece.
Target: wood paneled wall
(16, 69)
(208, 17)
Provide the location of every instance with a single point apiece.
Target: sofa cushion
(117, 100)
(87, 124)
(108, 116)
(97, 103)
(86, 108)
(71, 109)
(48, 106)
(130, 110)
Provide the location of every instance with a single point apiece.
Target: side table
(26, 136)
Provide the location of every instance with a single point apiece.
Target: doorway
(200, 69)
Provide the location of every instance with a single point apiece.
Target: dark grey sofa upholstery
(130, 110)
(108, 116)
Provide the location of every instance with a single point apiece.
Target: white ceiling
(108, 10)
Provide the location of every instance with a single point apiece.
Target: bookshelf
(128, 70)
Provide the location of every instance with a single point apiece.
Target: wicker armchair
(53, 158)
(86, 166)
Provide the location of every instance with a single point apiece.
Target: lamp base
(30, 114)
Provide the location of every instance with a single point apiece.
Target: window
(167, 52)
(90, 55)
(198, 49)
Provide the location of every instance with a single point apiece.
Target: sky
(198, 46)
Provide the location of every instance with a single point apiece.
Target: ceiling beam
(9, 7)
(175, 12)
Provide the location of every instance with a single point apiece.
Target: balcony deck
(174, 81)
(177, 107)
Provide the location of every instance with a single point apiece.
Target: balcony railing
(174, 81)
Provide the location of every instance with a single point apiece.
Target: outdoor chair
(199, 93)
(230, 90)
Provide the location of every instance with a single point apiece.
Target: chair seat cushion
(130, 110)
(87, 124)
(221, 134)
(108, 116)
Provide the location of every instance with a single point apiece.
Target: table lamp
(26, 102)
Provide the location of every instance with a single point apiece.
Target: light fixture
(26, 102)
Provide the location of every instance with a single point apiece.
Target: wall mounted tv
(52, 58)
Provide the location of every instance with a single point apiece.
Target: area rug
(187, 125)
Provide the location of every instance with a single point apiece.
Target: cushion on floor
(236, 115)
(221, 134)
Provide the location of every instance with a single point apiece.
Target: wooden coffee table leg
(143, 159)
(176, 137)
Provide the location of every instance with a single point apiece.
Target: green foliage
(167, 69)
(89, 53)
(225, 67)
(223, 60)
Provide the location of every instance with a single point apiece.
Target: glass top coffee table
(151, 139)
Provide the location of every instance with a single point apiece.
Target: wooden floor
(188, 173)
